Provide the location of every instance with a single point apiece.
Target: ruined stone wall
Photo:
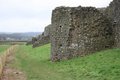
(77, 31)
(42, 39)
(113, 13)
(34, 39)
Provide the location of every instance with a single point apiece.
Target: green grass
(104, 65)
(12, 42)
(3, 48)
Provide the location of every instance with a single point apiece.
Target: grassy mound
(104, 65)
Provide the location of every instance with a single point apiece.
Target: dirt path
(12, 74)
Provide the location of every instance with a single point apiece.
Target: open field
(36, 64)
(12, 42)
(3, 47)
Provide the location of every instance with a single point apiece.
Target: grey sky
(34, 15)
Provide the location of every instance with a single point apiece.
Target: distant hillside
(18, 36)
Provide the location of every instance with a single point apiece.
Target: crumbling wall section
(113, 13)
(77, 31)
(42, 39)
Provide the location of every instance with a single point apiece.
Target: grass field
(12, 42)
(36, 64)
(3, 48)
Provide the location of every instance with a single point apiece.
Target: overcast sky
(34, 15)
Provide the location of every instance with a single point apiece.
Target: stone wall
(113, 13)
(77, 31)
(42, 39)
(34, 39)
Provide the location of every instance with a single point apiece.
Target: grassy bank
(104, 65)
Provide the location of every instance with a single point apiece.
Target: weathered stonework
(34, 39)
(113, 13)
(79, 31)
(42, 39)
